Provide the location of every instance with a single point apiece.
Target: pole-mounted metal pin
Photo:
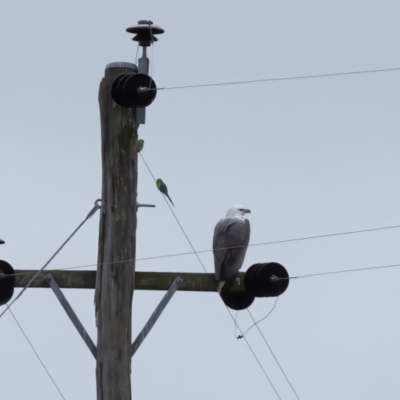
(144, 205)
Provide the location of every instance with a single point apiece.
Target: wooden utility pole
(117, 241)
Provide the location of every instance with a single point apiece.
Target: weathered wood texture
(117, 241)
(143, 280)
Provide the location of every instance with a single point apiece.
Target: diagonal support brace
(157, 312)
(71, 314)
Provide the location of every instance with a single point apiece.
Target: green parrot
(140, 144)
(162, 187)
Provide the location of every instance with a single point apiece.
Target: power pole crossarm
(193, 282)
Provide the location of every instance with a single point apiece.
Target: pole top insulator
(145, 31)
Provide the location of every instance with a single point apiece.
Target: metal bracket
(143, 65)
(97, 206)
(71, 314)
(144, 205)
(157, 312)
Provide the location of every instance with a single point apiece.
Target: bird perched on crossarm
(162, 187)
(231, 238)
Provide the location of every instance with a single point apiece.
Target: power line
(250, 245)
(269, 347)
(278, 279)
(273, 242)
(262, 319)
(289, 78)
(255, 323)
(172, 211)
(326, 235)
(37, 355)
(97, 205)
(341, 271)
(254, 354)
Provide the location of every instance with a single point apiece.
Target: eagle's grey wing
(218, 243)
(231, 237)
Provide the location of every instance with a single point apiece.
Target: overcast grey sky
(308, 157)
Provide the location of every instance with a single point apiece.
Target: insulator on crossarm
(7, 282)
(266, 279)
(133, 90)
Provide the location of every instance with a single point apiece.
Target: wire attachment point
(97, 206)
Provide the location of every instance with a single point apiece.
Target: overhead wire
(255, 244)
(250, 245)
(255, 323)
(260, 320)
(277, 241)
(235, 323)
(267, 344)
(89, 215)
(289, 78)
(8, 306)
(176, 219)
(269, 347)
(37, 355)
(340, 272)
(254, 354)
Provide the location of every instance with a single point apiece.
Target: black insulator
(266, 280)
(7, 282)
(145, 32)
(235, 300)
(133, 90)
